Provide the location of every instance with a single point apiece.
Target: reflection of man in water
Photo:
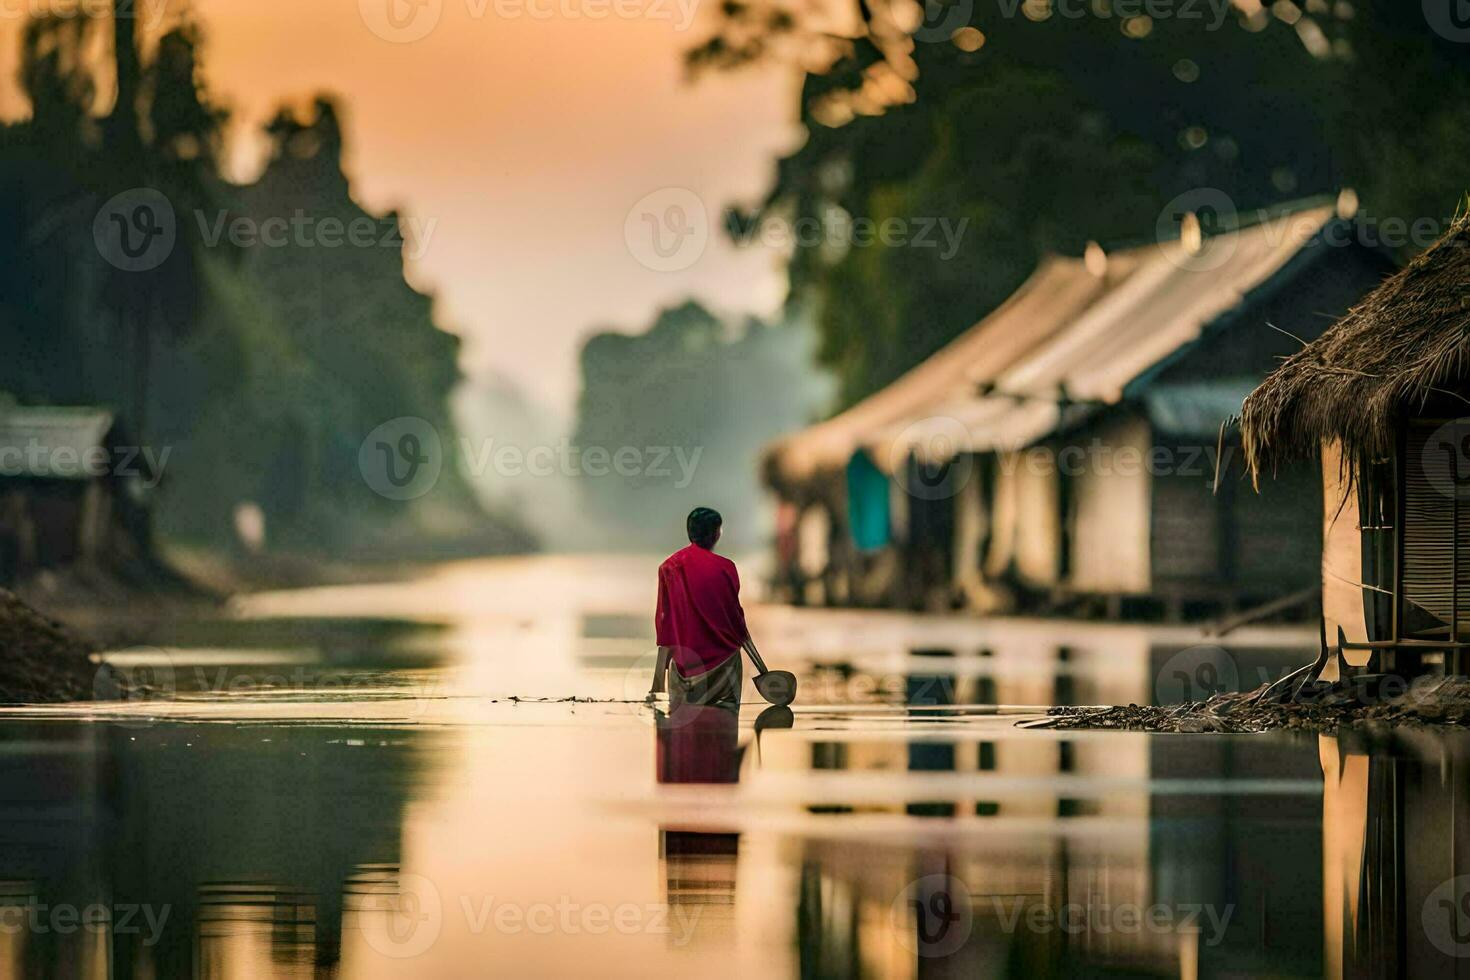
(697, 743)
(700, 625)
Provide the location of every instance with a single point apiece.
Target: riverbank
(136, 604)
(1428, 701)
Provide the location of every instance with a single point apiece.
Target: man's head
(703, 526)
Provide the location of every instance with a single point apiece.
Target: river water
(387, 780)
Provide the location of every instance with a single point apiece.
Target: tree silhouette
(1049, 125)
(263, 368)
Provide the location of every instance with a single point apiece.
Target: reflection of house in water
(1061, 451)
(1177, 879)
(1051, 824)
(1396, 855)
(253, 872)
(948, 689)
(1381, 397)
(70, 491)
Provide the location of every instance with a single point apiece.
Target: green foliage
(1403, 120)
(260, 365)
(1070, 125)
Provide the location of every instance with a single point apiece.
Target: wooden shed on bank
(1080, 464)
(71, 490)
(1118, 420)
(1383, 398)
(823, 476)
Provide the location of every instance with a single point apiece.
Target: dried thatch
(1407, 341)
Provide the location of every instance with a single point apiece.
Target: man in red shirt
(699, 623)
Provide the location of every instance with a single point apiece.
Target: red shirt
(699, 612)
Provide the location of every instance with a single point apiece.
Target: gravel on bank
(41, 661)
(1320, 708)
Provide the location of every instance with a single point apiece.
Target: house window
(1435, 556)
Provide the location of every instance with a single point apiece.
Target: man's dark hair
(703, 526)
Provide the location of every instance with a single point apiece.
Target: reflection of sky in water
(360, 780)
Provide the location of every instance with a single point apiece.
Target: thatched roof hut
(1384, 397)
(1407, 342)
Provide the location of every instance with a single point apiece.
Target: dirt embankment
(1318, 708)
(42, 661)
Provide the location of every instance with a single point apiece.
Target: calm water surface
(376, 781)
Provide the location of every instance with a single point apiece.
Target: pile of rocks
(1315, 708)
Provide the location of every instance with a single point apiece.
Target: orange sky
(524, 131)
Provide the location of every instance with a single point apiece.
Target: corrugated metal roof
(31, 437)
(1170, 297)
(1054, 295)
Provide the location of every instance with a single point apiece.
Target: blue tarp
(1196, 409)
(867, 503)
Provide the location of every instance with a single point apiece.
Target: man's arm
(661, 671)
(747, 644)
(662, 631)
